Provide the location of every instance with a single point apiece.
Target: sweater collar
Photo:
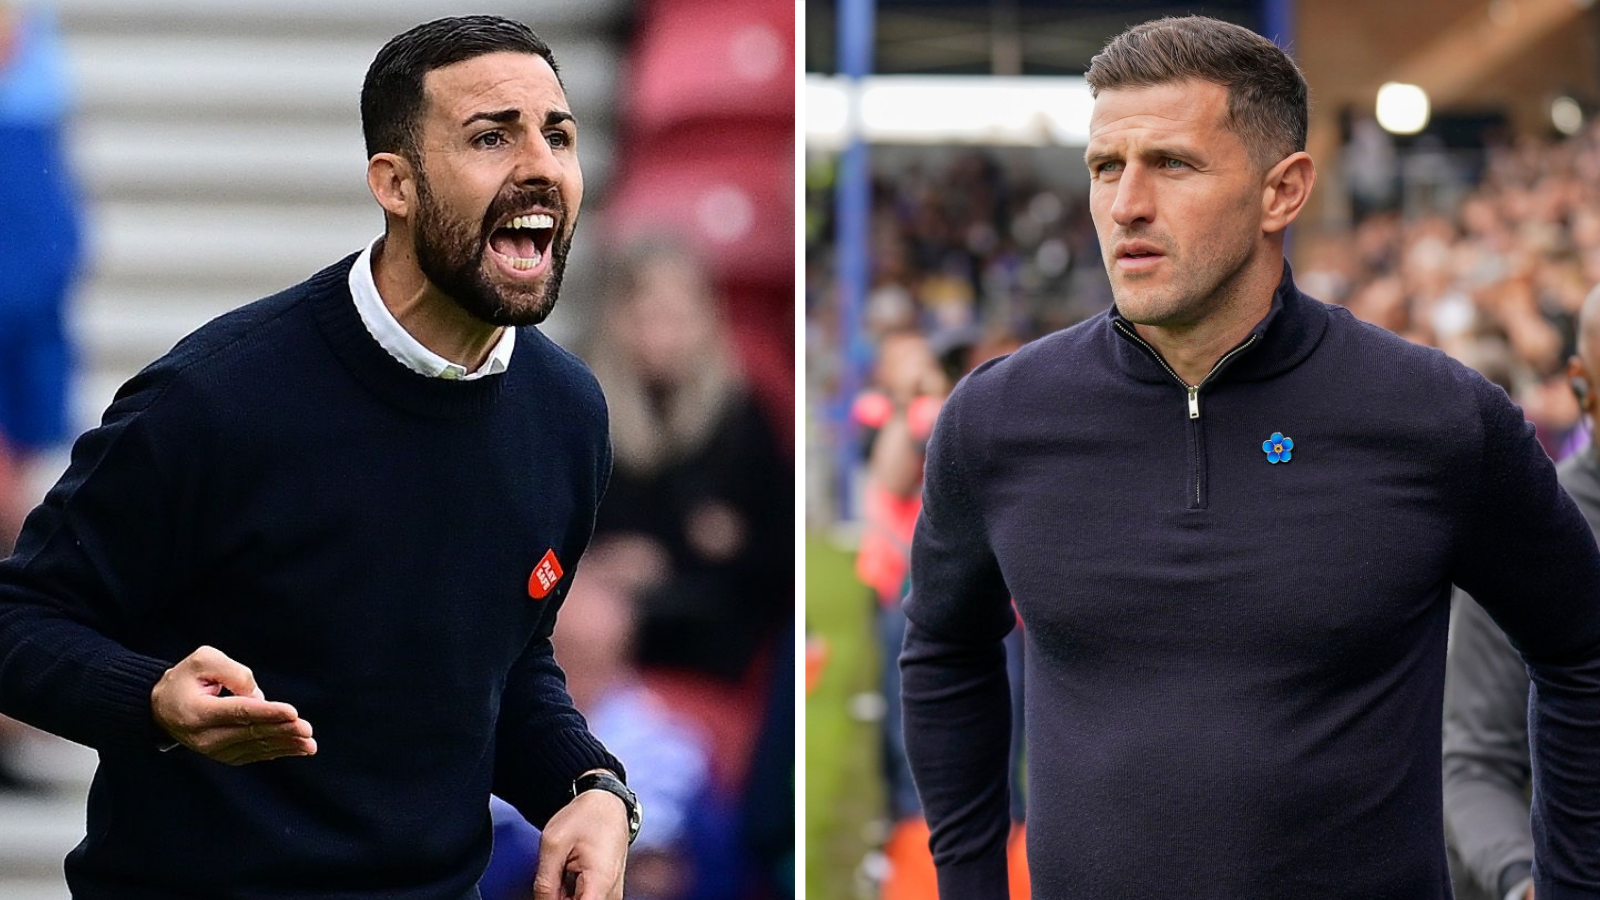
(384, 375)
(400, 344)
(1283, 338)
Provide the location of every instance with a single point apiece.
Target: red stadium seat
(731, 196)
(699, 60)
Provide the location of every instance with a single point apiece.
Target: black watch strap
(611, 784)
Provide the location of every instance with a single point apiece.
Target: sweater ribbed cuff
(982, 878)
(578, 752)
(543, 784)
(121, 692)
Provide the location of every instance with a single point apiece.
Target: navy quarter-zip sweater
(361, 537)
(1235, 667)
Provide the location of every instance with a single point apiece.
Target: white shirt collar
(409, 351)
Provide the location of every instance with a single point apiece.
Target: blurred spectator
(896, 417)
(670, 768)
(39, 246)
(699, 485)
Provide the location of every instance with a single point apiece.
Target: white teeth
(538, 220)
(526, 262)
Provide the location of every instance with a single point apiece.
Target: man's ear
(1285, 190)
(392, 180)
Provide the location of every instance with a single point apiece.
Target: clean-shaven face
(499, 186)
(1176, 199)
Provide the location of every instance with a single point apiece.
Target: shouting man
(1230, 517)
(357, 503)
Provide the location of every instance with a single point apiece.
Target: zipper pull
(1194, 402)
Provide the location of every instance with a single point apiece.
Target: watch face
(635, 816)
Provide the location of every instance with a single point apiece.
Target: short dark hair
(1267, 95)
(392, 96)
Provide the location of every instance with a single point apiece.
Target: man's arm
(956, 697)
(1528, 557)
(1486, 768)
(542, 742)
(543, 745)
(89, 562)
(107, 546)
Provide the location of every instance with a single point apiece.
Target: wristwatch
(611, 784)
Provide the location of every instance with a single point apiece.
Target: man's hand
(583, 850)
(188, 704)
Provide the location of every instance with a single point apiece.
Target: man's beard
(450, 253)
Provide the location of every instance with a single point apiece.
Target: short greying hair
(1267, 96)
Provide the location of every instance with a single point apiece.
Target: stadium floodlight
(1402, 108)
(1025, 111)
(1566, 115)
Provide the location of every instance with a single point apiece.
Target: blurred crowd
(974, 255)
(1497, 284)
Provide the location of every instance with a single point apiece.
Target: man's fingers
(216, 745)
(224, 711)
(548, 878)
(565, 873)
(597, 883)
(211, 663)
(228, 735)
(253, 751)
(586, 886)
(259, 751)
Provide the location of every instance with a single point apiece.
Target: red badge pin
(545, 576)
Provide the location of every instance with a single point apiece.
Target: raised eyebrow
(501, 116)
(504, 116)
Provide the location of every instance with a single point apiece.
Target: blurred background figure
(39, 252)
(39, 255)
(221, 156)
(1461, 211)
(697, 486)
(896, 417)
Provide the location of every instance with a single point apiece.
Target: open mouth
(522, 245)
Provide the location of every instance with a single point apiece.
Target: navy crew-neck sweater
(1235, 666)
(361, 537)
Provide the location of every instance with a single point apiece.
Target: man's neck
(436, 321)
(1194, 349)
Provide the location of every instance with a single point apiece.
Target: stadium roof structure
(998, 37)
